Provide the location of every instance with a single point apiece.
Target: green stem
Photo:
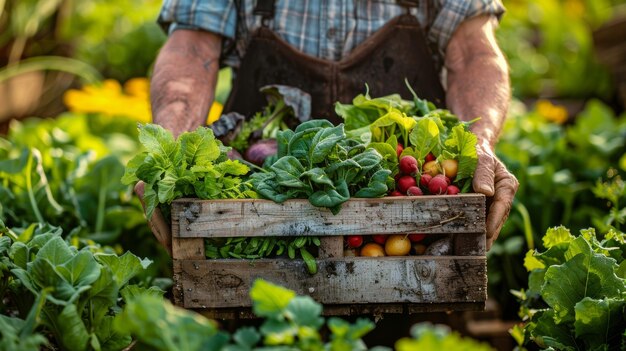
(528, 229)
(29, 187)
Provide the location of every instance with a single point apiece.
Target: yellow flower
(108, 98)
(552, 113)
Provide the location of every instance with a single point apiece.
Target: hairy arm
(181, 91)
(478, 86)
(183, 83)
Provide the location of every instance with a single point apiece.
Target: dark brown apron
(397, 51)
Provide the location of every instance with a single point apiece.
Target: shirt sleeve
(453, 12)
(216, 16)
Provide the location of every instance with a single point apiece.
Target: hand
(157, 223)
(496, 182)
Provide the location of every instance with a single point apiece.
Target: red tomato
(354, 241)
(416, 237)
(379, 238)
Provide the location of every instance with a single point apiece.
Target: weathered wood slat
(457, 214)
(331, 246)
(418, 279)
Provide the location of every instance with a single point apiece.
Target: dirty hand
(157, 223)
(492, 179)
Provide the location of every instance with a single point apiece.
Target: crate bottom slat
(424, 280)
(352, 310)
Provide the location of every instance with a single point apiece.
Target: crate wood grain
(194, 218)
(345, 285)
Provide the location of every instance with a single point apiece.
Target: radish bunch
(434, 178)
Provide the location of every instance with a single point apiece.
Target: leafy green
(319, 162)
(193, 165)
(70, 294)
(577, 279)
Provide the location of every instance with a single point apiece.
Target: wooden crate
(219, 288)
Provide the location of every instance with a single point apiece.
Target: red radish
(453, 190)
(432, 168)
(396, 193)
(379, 238)
(438, 185)
(425, 180)
(354, 241)
(399, 149)
(405, 182)
(429, 157)
(416, 237)
(408, 165)
(414, 191)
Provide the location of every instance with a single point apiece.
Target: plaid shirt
(328, 29)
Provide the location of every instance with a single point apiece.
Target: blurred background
(74, 80)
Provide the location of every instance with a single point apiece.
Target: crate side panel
(226, 283)
(253, 217)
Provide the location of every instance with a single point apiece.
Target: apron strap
(265, 9)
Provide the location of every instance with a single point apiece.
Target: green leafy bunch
(196, 164)
(291, 323)
(319, 162)
(576, 297)
(52, 288)
(421, 128)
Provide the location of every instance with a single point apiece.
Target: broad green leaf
(5, 244)
(424, 137)
(56, 251)
(318, 176)
(304, 311)
(356, 117)
(314, 124)
(361, 327)
(104, 290)
(199, 146)
(156, 323)
(124, 267)
(167, 187)
(44, 275)
(387, 151)
(377, 185)
(331, 198)
(152, 169)
(583, 276)
(288, 170)
(27, 234)
(81, 270)
(71, 329)
(557, 235)
(150, 200)
(599, 322)
(15, 165)
(130, 292)
(547, 333)
(323, 143)
(282, 141)
(394, 117)
(338, 327)
(19, 254)
(269, 300)
(158, 140)
(232, 167)
(130, 173)
(111, 339)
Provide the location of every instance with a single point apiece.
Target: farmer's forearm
(183, 83)
(478, 81)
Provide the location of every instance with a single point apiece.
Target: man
(331, 49)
